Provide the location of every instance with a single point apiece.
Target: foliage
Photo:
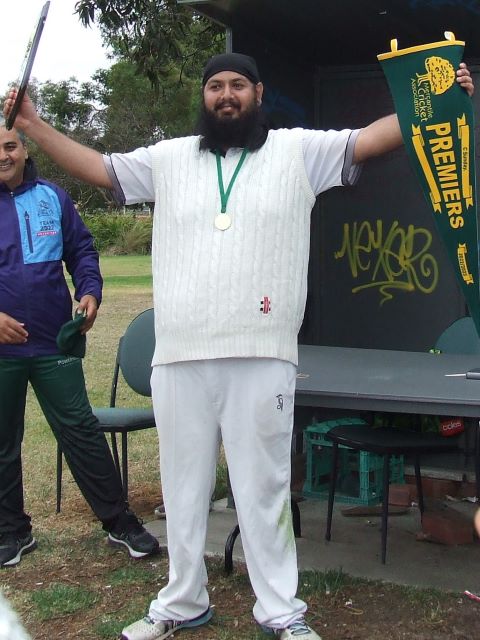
(155, 34)
(221, 484)
(135, 114)
(120, 234)
(136, 239)
(69, 108)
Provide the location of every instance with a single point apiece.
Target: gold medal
(223, 221)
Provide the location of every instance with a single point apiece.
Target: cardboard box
(400, 495)
(447, 526)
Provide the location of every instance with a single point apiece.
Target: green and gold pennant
(436, 120)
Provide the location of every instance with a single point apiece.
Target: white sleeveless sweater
(239, 292)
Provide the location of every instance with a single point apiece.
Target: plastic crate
(360, 473)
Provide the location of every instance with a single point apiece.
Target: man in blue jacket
(40, 229)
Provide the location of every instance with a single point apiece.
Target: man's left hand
(464, 79)
(89, 306)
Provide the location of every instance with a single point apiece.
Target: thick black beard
(248, 131)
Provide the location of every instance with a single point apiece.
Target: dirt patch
(72, 551)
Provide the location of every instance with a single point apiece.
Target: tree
(136, 114)
(158, 36)
(68, 106)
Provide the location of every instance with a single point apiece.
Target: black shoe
(13, 545)
(129, 532)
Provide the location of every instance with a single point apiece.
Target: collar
(25, 186)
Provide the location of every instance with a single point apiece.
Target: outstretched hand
(464, 79)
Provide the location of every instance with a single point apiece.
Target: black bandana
(238, 62)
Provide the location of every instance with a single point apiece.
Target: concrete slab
(355, 547)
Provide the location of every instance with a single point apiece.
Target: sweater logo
(265, 305)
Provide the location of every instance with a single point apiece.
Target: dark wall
(379, 276)
(289, 95)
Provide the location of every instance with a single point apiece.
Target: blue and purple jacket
(40, 229)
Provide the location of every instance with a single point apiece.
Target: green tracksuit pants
(59, 385)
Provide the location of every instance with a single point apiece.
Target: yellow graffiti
(392, 260)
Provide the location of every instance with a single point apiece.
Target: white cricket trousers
(249, 403)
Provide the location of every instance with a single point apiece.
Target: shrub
(120, 233)
(136, 239)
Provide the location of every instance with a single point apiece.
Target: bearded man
(230, 258)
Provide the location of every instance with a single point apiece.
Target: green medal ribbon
(436, 120)
(222, 221)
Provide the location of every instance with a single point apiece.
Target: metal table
(382, 380)
(391, 381)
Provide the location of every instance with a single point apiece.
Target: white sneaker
(297, 629)
(148, 629)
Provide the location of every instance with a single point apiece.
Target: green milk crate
(360, 473)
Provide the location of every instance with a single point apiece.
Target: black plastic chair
(134, 358)
(386, 442)
(235, 532)
(459, 337)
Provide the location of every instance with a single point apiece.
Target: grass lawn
(75, 586)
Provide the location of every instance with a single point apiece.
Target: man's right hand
(11, 331)
(79, 161)
(27, 112)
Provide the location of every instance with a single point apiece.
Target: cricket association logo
(439, 77)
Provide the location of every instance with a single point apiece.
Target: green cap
(69, 339)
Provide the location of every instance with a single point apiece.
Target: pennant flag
(436, 120)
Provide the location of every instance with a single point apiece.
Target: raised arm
(76, 159)
(384, 135)
(379, 137)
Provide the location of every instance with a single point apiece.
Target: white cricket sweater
(239, 292)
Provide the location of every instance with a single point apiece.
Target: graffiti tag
(389, 260)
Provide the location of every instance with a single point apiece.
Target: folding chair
(134, 357)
